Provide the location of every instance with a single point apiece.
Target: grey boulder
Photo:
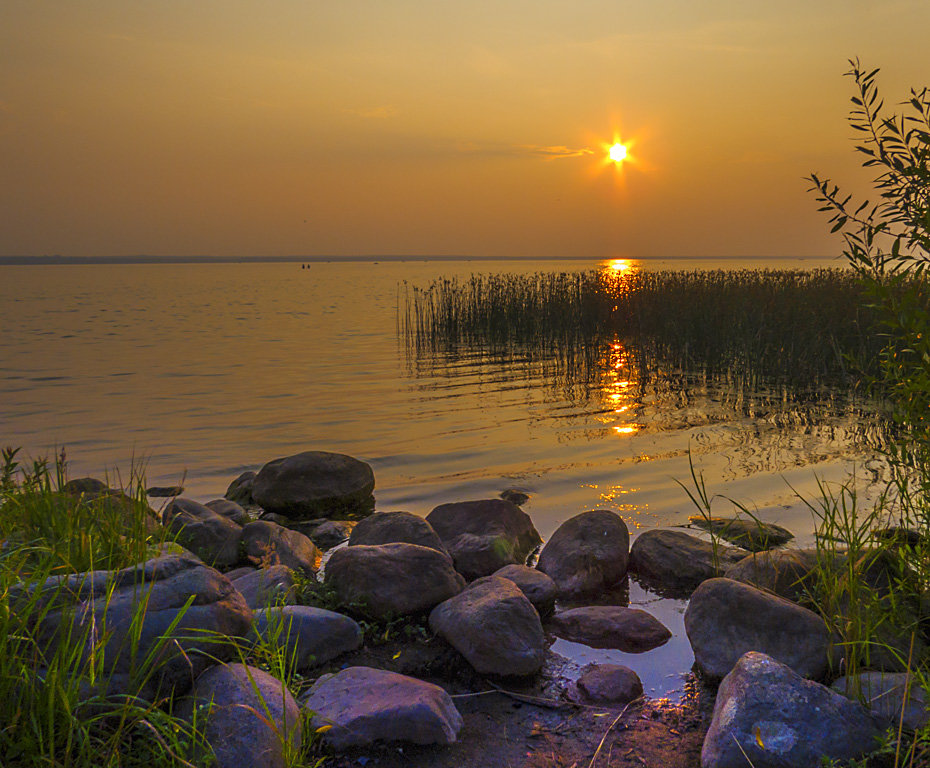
(889, 695)
(267, 544)
(229, 509)
(727, 618)
(363, 706)
(493, 625)
(266, 587)
(240, 489)
(209, 535)
(782, 571)
(391, 580)
(587, 553)
(611, 626)
(173, 610)
(314, 484)
(539, 589)
(484, 536)
(250, 717)
(310, 636)
(678, 561)
(768, 716)
(393, 527)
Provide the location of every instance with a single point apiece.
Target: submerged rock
(249, 716)
(361, 706)
(396, 527)
(612, 685)
(753, 535)
(611, 626)
(314, 484)
(768, 716)
(494, 626)
(678, 561)
(164, 491)
(727, 618)
(484, 536)
(391, 580)
(587, 553)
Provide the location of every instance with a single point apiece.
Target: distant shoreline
(143, 259)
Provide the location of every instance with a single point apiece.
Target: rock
(484, 536)
(249, 716)
(679, 561)
(229, 509)
(367, 705)
(727, 618)
(753, 535)
(392, 580)
(314, 484)
(145, 600)
(271, 517)
(326, 534)
(164, 491)
(611, 626)
(238, 573)
(240, 489)
(588, 552)
(134, 515)
(885, 693)
(392, 527)
(269, 544)
(606, 685)
(212, 537)
(267, 586)
(782, 571)
(85, 485)
(539, 589)
(493, 625)
(768, 716)
(312, 636)
(515, 496)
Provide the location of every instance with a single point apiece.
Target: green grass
(55, 706)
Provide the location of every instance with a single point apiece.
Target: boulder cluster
(471, 570)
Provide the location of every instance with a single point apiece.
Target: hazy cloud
(555, 152)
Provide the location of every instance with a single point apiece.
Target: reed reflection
(763, 351)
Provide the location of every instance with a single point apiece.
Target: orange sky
(225, 127)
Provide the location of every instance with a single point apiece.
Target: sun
(617, 152)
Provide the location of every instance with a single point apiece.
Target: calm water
(204, 371)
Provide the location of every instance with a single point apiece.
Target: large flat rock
(362, 706)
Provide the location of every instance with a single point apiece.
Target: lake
(201, 371)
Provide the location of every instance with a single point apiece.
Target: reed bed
(753, 326)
